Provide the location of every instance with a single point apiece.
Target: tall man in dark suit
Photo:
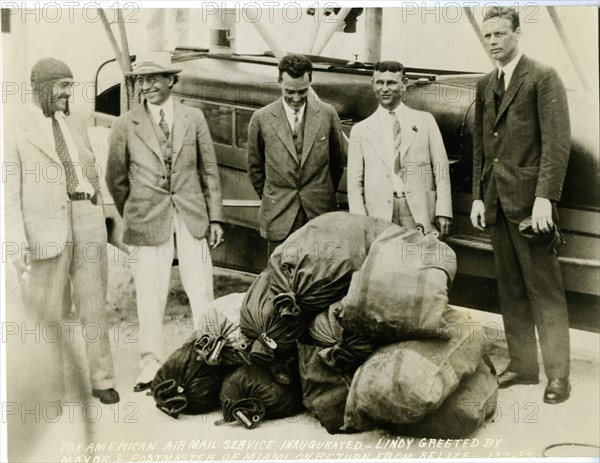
(54, 214)
(295, 154)
(520, 152)
(162, 173)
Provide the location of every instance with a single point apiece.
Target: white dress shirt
(509, 69)
(167, 107)
(83, 186)
(289, 112)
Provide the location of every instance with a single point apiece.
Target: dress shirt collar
(167, 107)
(289, 112)
(39, 114)
(509, 69)
(385, 113)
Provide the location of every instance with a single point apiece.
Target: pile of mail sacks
(351, 320)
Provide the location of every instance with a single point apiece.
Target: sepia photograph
(300, 231)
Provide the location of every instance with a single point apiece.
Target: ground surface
(135, 430)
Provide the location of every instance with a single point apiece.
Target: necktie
(63, 153)
(397, 134)
(499, 89)
(163, 124)
(296, 122)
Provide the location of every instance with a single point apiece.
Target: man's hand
(99, 201)
(541, 216)
(22, 267)
(215, 234)
(443, 225)
(478, 214)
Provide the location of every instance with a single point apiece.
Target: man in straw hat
(54, 216)
(162, 173)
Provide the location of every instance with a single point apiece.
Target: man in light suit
(295, 154)
(54, 215)
(397, 164)
(162, 174)
(521, 148)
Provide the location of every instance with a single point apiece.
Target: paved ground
(135, 430)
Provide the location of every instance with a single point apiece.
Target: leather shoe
(141, 386)
(106, 396)
(557, 391)
(509, 378)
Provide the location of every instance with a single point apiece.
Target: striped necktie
(63, 153)
(163, 124)
(397, 133)
(296, 122)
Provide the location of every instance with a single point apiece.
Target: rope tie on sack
(286, 306)
(169, 398)
(209, 349)
(248, 412)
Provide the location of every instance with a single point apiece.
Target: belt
(399, 195)
(79, 196)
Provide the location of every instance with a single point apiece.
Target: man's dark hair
(503, 12)
(296, 66)
(389, 66)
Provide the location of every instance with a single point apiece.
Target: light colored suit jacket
(425, 169)
(35, 186)
(137, 177)
(285, 181)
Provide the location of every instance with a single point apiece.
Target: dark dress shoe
(139, 387)
(106, 396)
(509, 378)
(557, 391)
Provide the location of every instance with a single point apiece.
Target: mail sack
(461, 414)
(341, 350)
(324, 390)
(401, 290)
(311, 269)
(405, 381)
(185, 384)
(219, 341)
(250, 395)
(270, 336)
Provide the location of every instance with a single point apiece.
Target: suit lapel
(490, 102)
(312, 124)
(145, 131)
(375, 137)
(282, 128)
(180, 127)
(38, 137)
(516, 81)
(407, 122)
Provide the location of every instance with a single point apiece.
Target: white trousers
(151, 268)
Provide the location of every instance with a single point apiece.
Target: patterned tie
(499, 91)
(296, 122)
(163, 124)
(397, 141)
(63, 153)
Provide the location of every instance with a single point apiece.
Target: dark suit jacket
(35, 188)
(137, 177)
(521, 152)
(282, 180)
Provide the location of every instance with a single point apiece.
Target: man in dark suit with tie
(295, 154)
(162, 173)
(521, 148)
(54, 214)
